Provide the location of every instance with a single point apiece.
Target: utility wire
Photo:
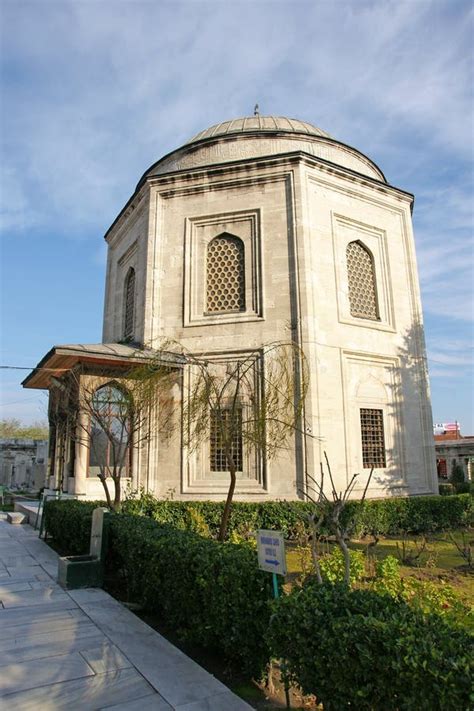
(325, 345)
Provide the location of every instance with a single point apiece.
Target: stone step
(16, 517)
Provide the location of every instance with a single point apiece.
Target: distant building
(23, 463)
(454, 449)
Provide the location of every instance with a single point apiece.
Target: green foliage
(360, 649)
(68, 522)
(435, 598)
(387, 577)
(446, 489)
(414, 514)
(284, 516)
(213, 594)
(420, 514)
(210, 593)
(12, 428)
(423, 595)
(463, 487)
(457, 474)
(332, 566)
(373, 648)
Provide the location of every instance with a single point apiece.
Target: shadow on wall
(394, 393)
(411, 460)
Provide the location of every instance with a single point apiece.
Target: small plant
(333, 567)
(243, 534)
(387, 577)
(423, 595)
(198, 524)
(303, 550)
(335, 515)
(433, 598)
(465, 548)
(410, 552)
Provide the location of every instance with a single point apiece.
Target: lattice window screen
(225, 275)
(373, 440)
(362, 287)
(129, 318)
(218, 461)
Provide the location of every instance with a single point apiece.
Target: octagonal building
(264, 229)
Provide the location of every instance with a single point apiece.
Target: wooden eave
(61, 359)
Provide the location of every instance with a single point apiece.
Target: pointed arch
(225, 274)
(110, 430)
(362, 281)
(129, 305)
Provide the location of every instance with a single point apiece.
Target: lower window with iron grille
(226, 427)
(373, 439)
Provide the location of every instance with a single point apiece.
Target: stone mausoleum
(265, 229)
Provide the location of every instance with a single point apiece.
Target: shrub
(446, 489)
(421, 514)
(210, 593)
(414, 514)
(463, 487)
(360, 649)
(332, 566)
(213, 594)
(424, 595)
(284, 516)
(68, 522)
(424, 514)
(457, 474)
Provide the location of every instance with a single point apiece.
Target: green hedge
(413, 514)
(417, 514)
(211, 593)
(420, 514)
(358, 649)
(350, 648)
(69, 522)
(285, 516)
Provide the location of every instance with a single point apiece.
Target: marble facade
(293, 199)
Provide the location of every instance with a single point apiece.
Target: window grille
(129, 317)
(110, 432)
(225, 275)
(373, 440)
(232, 426)
(362, 285)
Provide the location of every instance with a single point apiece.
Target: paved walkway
(81, 649)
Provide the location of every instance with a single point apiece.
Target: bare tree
(329, 511)
(251, 401)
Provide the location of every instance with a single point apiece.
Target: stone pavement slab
(93, 692)
(81, 649)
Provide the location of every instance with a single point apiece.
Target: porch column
(79, 483)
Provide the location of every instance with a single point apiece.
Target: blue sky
(93, 92)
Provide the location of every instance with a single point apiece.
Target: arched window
(225, 275)
(362, 284)
(129, 305)
(110, 431)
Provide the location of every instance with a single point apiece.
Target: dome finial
(256, 111)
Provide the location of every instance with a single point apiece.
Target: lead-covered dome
(250, 124)
(251, 137)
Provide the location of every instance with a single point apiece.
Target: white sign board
(271, 551)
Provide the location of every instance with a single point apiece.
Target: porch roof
(60, 359)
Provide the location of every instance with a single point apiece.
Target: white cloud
(106, 91)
